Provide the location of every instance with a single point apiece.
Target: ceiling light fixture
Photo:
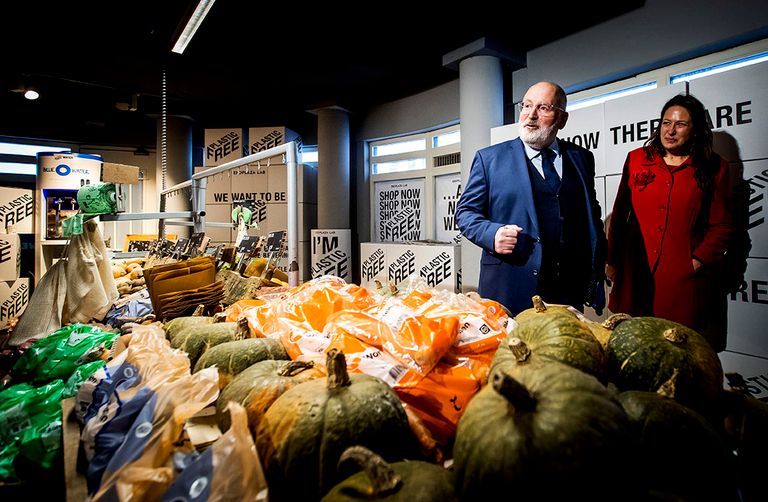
(31, 94)
(192, 25)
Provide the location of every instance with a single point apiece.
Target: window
(602, 98)
(737, 57)
(21, 158)
(409, 177)
(719, 68)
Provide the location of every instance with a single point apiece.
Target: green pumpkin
(179, 324)
(545, 433)
(195, 341)
(676, 450)
(258, 386)
(539, 308)
(409, 481)
(230, 358)
(644, 352)
(551, 337)
(303, 434)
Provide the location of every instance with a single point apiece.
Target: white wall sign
(737, 102)
(332, 253)
(400, 208)
(17, 208)
(447, 193)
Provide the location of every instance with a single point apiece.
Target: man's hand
(506, 239)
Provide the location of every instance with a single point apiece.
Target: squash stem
(515, 392)
(667, 389)
(614, 320)
(336, 365)
(384, 480)
(674, 335)
(293, 368)
(538, 304)
(519, 349)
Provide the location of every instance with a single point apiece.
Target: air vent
(447, 159)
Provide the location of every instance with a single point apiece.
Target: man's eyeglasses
(544, 109)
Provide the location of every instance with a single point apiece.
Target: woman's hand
(696, 265)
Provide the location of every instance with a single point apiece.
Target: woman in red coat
(671, 226)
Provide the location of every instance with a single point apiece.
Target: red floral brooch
(642, 179)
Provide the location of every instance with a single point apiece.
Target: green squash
(408, 481)
(551, 337)
(676, 450)
(303, 434)
(179, 324)
(545, 433)
(644, 352)
(198, 339)
(539, 308)
(230, 358)
(258, 386)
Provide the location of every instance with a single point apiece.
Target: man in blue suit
(530, 204)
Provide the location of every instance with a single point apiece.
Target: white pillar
(481, 107)
(332, 168)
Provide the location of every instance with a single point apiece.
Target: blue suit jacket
(498, 192)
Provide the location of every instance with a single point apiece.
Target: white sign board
(14, 298)
(400, 210)
(332, 253)
(447, 193)
(67, 171)
(737, 101)
(17, 208)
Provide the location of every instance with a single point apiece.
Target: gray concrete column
(178, 166)
(481, 107)
(332, 167)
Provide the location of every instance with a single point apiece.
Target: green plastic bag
(80, 375)
(30, 425)
(58, 355)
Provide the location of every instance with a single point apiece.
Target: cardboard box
(17, 209)
(438, 263)
(14, 298)
(10, 257)
(119, 173)
(373, 264)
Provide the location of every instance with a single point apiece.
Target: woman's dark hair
(699, 146)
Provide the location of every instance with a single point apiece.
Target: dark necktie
(548, 166)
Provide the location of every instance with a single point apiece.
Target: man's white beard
(538, 138)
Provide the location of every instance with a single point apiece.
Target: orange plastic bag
(235, 311)
(300, 318)
(365, 358)
(441, 397)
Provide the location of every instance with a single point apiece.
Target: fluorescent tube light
(192, 25)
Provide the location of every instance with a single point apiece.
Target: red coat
(657, 227)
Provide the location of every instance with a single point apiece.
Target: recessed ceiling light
(31, 94)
